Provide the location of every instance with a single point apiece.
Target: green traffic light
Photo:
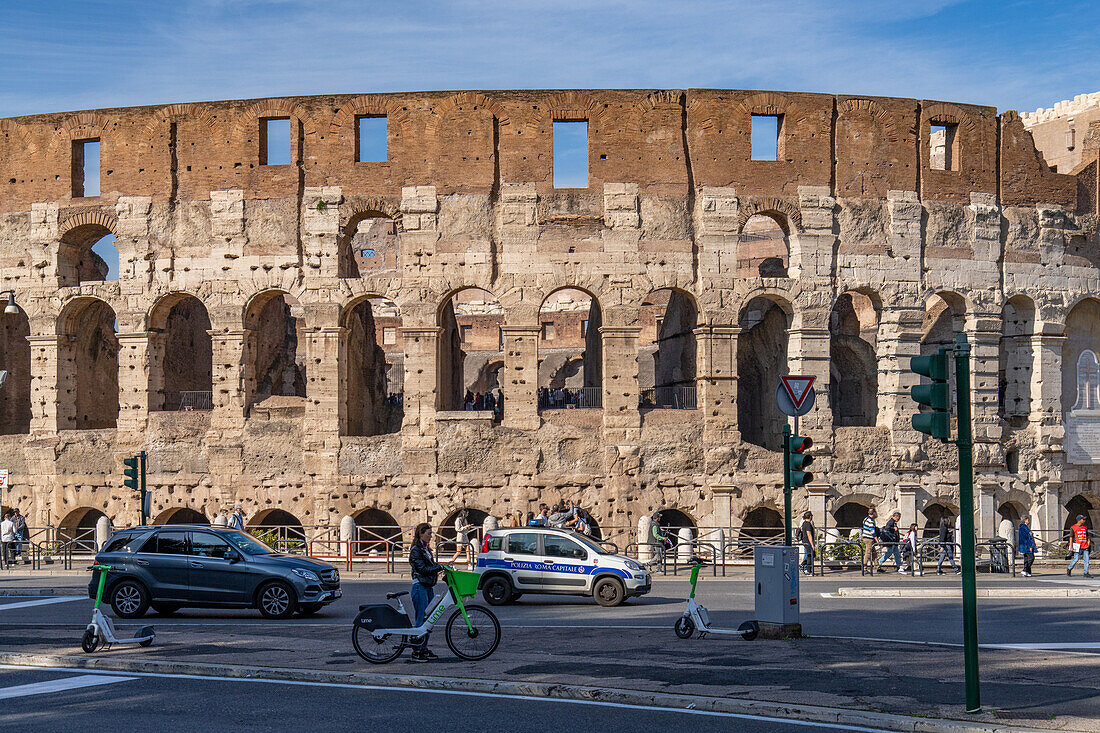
(935, 395)
(933, 366)
(797, 460)
(936, 424)
(131, 473)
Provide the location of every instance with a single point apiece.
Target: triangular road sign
(798, 388)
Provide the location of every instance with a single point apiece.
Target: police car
(519, 560)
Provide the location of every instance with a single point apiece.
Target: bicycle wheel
(375, 650)
(479, 643)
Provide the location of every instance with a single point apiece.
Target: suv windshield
(248, 544)
(589, 544)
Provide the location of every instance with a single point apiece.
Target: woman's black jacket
(425, 570)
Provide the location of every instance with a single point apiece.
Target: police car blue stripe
(546, 567)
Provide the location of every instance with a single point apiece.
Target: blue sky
(60, 55)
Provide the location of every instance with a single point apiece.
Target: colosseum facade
(301, 334)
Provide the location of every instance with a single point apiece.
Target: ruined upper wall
(470, 142)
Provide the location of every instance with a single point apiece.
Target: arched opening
(1075, 507)
(1011, 511)
(469, 342)
(1081, 382)
(446, 531)
(373, 356)
(853, 366)
(849, 516)
(181, 515)
(1015, 357)
(277, 346)
(182, 358)
(933, 516)
(87, 366)
(570, 351)
(78, 528)
(762, 523)
(369, 246)
(761, 360)
(674, 518)
(667, 351)
(375, 530)
(15, 373)
(87, 254)
(763, 249)
(281, 530)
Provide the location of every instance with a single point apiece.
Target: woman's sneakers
(424, 655)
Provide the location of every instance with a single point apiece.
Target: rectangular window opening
(764, 136)
(389, 336)
(571, 154)
(547, 331)
(466, 333)
(85, 168)
(943, 147)
(275, 141)
(370, 139)
(584, 328)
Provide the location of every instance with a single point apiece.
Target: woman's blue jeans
(421, 598)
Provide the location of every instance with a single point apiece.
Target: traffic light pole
(787, 486)
(965, 443)
(142, 489)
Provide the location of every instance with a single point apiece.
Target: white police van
(518, 560)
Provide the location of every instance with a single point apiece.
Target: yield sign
(798, 388)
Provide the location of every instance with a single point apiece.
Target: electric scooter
(696, 617)
(101, 632)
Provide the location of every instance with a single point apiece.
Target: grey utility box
(776, 585)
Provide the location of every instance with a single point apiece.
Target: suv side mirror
(231, 555)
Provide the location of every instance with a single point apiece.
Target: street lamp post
(11, 308)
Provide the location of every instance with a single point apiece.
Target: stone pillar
(1052, 236)
(418, 445)
(1046, 391)
(520, 378)
(227, 235)
(621, 420)
(908, 486)
(716, 382)
(1049, 516)
(812, 248)
(904, 236)
(985, 338)
(325, 347)
(808, 355)
(155, 357)
(898, 342)
(232, 377)
(321, 230)
(102, 532)
(985, 513)
(133, 383)
(46, 411)
(816, 502)
(645, 529)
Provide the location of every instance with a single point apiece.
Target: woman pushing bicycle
(425, 572)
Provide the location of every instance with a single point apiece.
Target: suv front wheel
(276, 600)
(129, 599)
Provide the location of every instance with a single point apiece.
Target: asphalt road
(1042, 622)
(65, 700)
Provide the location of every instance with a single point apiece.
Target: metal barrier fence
(572, 398)
(676, 398)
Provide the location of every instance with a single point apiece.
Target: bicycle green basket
(463, 582)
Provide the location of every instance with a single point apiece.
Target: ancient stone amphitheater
(298, 334)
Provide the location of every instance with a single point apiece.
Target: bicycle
(381, 632)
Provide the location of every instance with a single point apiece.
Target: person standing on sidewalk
(7, 538)
(425, 572)
(807, 536)
(891, 537)
(947, 545)
(1025, 544)
(868, 532)
(236, 519)
(909, 550)
(1079, 544)
(20, 531)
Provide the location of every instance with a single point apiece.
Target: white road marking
(40, 602)
(61, 685)
(1053, 646)
(463, 693)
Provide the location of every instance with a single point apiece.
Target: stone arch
(873, 110)
(88, 395)
(375, 530)
(1013, 511)
(762, 522)
(85, 125)
(76, 262)
(761, 360)
(470, 319)
(343, 122)
(371, 360)
(245, 124)
(279, 529)
(181, 356)
(372, 250)
(676, 517)
(667, 349)
(853, 368)
(934, 510)
(850, 514)
(464, 101)
(1082, 333)
(569, 320)
(276, 348)
(78, 527)
(446, 530)
(15, 360)
(180, 112)
(763, 246)
(181, 515)
(24, 142)
(786, 214)
(1016, 360)
(1078, 504)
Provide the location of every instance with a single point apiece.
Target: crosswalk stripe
(61, 685)
(39, 602)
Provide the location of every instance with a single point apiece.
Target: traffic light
(131, 481)
(798, 461)
(936, 423)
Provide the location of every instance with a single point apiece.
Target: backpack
(798, 534)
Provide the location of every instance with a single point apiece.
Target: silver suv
(519, 560)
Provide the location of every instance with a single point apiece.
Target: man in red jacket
(1079, 544)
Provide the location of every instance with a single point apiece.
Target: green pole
(965, 443)
(787, 485)
(143, 489)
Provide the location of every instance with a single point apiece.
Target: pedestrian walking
(909, 550)
(425, 572)
(462, 536)
(1079, 544)
(7, 538)
(807, 535)
(236, 519)
(868, 533)
(1025, 544)
(20, 531)
(891, 538)
(947, 545)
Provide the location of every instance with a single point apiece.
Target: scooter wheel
(685, 627)
(89, 642)
(749, 630)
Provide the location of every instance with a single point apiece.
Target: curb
(9, 592)
(810, 713)
(957, 593)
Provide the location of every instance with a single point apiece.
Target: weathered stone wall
(269, 251)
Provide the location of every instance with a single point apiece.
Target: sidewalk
(1039, 689)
